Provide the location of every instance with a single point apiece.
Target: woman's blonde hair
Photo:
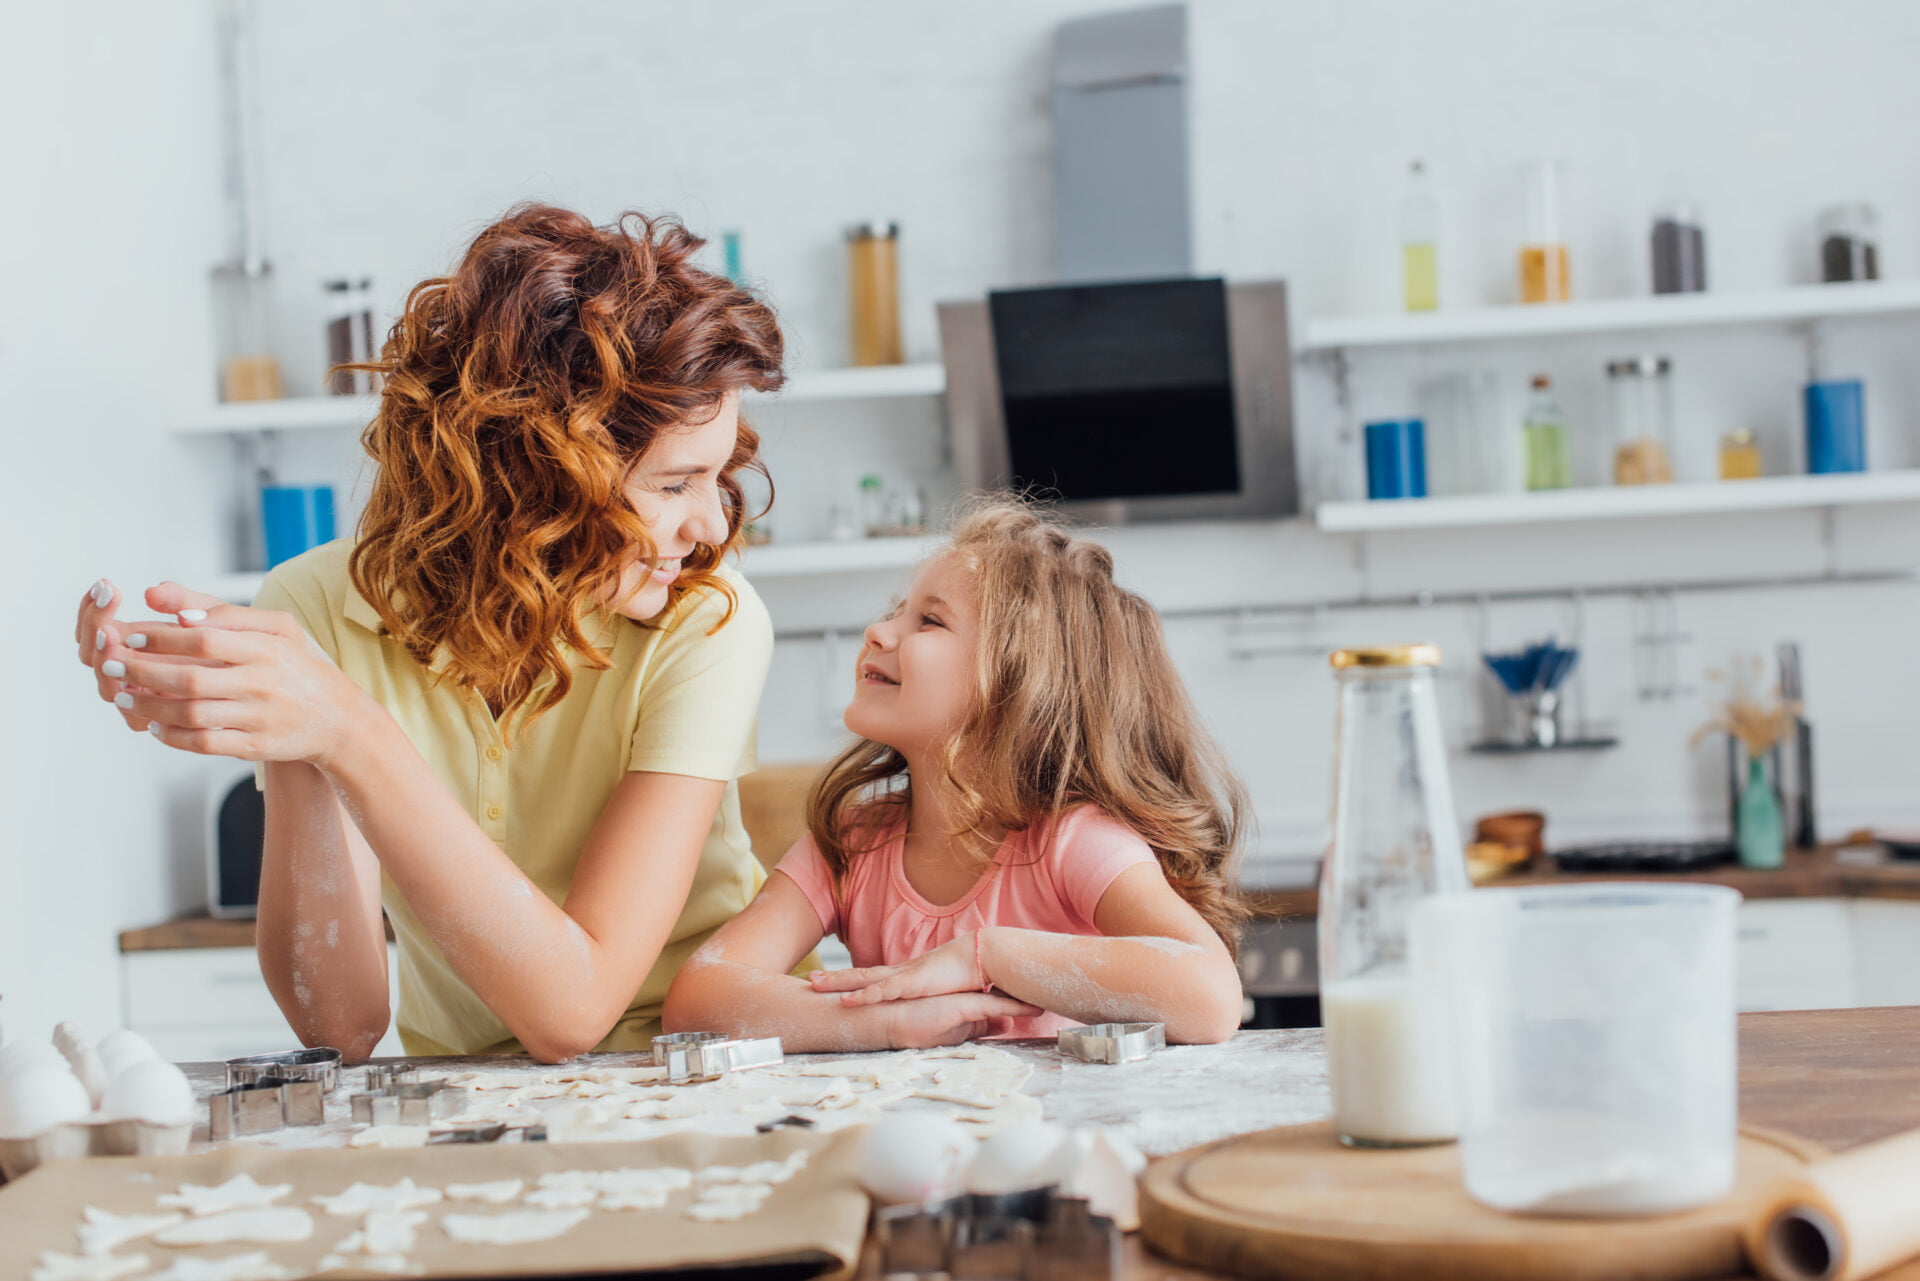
(1076, 702)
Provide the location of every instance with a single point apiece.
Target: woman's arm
(740, 983)
(559, 976)
(322, 948)
(1155, 960)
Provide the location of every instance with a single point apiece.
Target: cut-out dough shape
(235, 1267)
(560, 1198)
(103, 1233)
(640, 1199)
(88, 1267)
(362, 1197)
(395, 1265)
(722, 1202)
(390, 1231)
(238, 1193)
(263, 1226)
(391, 1136)
(499, 1192)
(512, 1229)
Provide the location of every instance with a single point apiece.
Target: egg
(82, 1058)
(149, 1090)
(37, 1096)
(20, 1053)
(121, 1049)
(1015, 1158)
(912, 1157)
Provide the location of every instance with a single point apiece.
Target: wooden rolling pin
(1849, 1216)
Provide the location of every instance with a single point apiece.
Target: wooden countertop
(1806, 874)
(1837, 1077)
(196, 931)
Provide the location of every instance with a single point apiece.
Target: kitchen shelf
(771, 560)
(1620, 502)
(1613, 315)
(878, 382)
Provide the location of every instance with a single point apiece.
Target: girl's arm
(739, 983)
(1155, 961)
(559, 976)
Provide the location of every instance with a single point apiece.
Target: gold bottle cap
(1387, 656)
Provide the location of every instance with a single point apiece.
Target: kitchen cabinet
(210, 1003)
(1795, 954)
(1886, 951)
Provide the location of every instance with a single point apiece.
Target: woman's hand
(954, 966)
(952, 1020)
(227, 680)
(95, 634)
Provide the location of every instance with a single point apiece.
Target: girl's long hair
(1076, 702)
(518, 392)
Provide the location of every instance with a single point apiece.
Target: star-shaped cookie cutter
(1113, 1042)
(692, 1057)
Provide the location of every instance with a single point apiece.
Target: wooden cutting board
(1294, 1204)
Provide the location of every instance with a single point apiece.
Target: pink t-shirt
(1049, 877)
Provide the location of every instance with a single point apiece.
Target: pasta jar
(1640, 403)
(873, 292)
(1395, 845)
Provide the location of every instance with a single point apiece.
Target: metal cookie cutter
(319, 1064)
(1113, 1042)
(414, 1102)
(270, 1091)
(692, 1057)
(1025, 1236)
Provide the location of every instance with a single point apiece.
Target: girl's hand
(952, 1020)
(233, 681)
(952, 967)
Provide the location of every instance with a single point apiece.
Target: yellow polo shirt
(674, 701)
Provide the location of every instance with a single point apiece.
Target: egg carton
(95, 1136)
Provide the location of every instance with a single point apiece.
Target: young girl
(1032, 831)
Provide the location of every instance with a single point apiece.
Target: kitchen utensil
(1395, 843)
(1843, 1218)
(1293, 1202)
(1024, 1236)
(1644, 856)
(1397, 459)
(1534, 676)
(319, 1064)
(692, 1057)
(1836, 426)
(259, 1107)
(414, 1102)
(1113, 1042)
(1599, 1080)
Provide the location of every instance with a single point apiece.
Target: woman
(513, 710)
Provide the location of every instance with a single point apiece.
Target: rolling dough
(88, 1267)
(273, 1224)
(238, 1193)
(103, 1233)
(362, 1197)
(234, 1267)
(512, 1229)
(499, 1192)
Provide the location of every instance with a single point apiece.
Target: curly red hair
(518, 393)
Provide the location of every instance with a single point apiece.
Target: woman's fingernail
(114, 668)
(192, 616)
(153, 728)
(123, 701)
(99, 638)
(137, 641)
(101, 592)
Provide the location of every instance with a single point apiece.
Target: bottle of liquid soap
(1549, 465)
(1419, 234)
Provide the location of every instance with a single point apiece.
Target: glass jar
(1740, 456)
(1849, 243)
(1640, 406)
(873, 293)
(1543, 255)
(243, 338)
(1679, 243)
(349, 335)
(1395, 845)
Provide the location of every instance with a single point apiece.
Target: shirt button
(493, 753)
(493, 811)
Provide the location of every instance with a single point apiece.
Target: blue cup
(298, 518)
(1397, 459)
(1836, 427)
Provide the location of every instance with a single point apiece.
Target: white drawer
(1796, 941)
(213, 1044)
(198, 987)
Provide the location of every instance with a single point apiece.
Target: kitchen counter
(1820, 873)
(1836, 1077)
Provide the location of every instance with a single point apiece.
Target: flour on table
(721, 1202)
(234, 1267)
(103, 1233)
(238, 1193)
(88, 1267)
(391, 1136)
(512, 1229)
(499, 1192)
(274, 1223)
(362, 1197)
(394, 1265)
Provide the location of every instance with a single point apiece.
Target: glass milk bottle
(1395, 843)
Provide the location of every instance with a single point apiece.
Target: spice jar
(1640, 404)
(248, 367)
(1543, 256)
(873, 292)
(1849, 243)
(1739, 456)
(1395, 845)
(1679, 243)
